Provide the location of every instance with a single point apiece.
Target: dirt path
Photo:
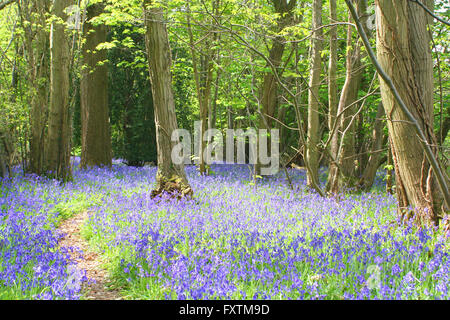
(90, 261)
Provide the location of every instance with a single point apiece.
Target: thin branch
(431, 13)
(280, 122)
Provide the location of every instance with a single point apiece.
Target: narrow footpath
(96, 287)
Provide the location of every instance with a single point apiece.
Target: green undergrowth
(75, 205)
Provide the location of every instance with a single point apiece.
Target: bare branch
(431, 12)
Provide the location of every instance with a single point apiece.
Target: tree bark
(404, 52)
(36, 44)
(4, 157)
(58, 148)
(312, 151)
(170, 177)
(95, 125)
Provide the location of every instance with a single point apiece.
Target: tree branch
(431, 12)
(6, 3)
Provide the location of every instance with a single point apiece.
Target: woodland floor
(103, 237)
(96, 288)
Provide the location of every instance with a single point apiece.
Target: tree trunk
(344, 175)
(269, 88)
(212, 117)
(333, 93)
(203, 73)
(95, 126)
(312, 151)
(205, 105)
(171, 177)
(404, 52)
(58, 149)
(36, 44)
(4, 162)
(230, 121)
(390, 171)
(443, 131)
(373, 164)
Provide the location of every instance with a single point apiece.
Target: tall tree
(333, 92)
(36, 44)
(343, 175)
(269, 89)
(403, 50)
(170, 177)
(95, 125)
(312, 151)
(203, 68)
(58, 148)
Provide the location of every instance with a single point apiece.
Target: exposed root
(174, 187)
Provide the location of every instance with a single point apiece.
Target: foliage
(131, 107)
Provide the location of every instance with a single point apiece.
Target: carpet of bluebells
(234, 240)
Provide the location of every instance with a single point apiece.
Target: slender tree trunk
(373, 164)
(171, 177)
(95, 126)
(344, 176)
(333, 93)
(269, 88)
(281, 115)
(404, 52)
(212, 117)
(361, 145)
(4, 163)
(58, 149)
(443, 132)
(390, 171)
(230, 121)
(203, 74)
(205, 105)
(312, 151)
